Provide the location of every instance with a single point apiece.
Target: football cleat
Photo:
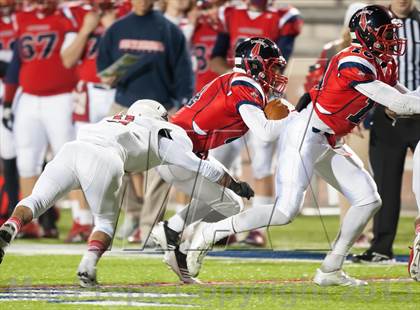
(165, 237)
(372, 258)
(78, 233)
(414, 261)
(336, 278)
(256, 238)
(87, 275)
(6, 235)
(177, 262)
(198, 250)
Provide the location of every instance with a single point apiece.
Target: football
(275, 110)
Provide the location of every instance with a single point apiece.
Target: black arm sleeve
(222, 45)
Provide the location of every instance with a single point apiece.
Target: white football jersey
(135, 139)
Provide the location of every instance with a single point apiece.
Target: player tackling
(96, 162)
(357, 78)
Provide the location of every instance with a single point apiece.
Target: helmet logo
(363, 18)
(256, 50)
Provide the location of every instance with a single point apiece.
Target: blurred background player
(162, 73)
(92, 99)
(9, 182)
(254, 18)
(358, 139)
(43, 116)
(390, 140)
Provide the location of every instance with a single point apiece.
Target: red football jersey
(40, 38)
(7, 38)
(86, 69)
(240, 23)
(212, 118)
(337, 103)
(202, 43)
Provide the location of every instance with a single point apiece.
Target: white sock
(75, 210)
(85, 217)
(354, 222)
(259, 200)
(176, 223)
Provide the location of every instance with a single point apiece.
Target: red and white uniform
(43, 111)
(241, 23)
(212, 117)
(337, 103)
(7, 38)
(92, 100)
(202, 44)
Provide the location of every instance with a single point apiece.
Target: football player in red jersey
(203, 40)
(92, 99)
(223, 111)
(283, 25)
(7, 147)
(357, 78)
(43, 110)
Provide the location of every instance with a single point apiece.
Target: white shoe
(87, 275)
(338, 277)
(198, 250)
(177, 262)
(414, 261)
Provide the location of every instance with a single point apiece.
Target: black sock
(11, 186)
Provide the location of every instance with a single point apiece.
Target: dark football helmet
(261, 59)
(376, 29)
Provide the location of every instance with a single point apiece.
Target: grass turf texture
(305, 232)
(231, 284)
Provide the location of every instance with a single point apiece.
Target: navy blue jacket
(163, 72)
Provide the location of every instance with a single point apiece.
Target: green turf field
(134, 280)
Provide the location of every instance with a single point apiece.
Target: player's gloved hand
(242, 189)
(8, 117)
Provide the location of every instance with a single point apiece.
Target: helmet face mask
(376, 29)
(261, 59)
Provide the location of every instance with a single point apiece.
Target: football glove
(8, 117)
(242, 189)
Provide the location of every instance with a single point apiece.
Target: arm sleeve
(264, 129)
(222, 45)
(389, 97)
(12, 73)
(177, 150)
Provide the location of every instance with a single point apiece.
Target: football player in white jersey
(96, 162)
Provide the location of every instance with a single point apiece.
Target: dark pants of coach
(387, 153)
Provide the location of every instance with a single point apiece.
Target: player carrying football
(96, 162)
(356, 79)
(222, 112)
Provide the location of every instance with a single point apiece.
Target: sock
(95, 250)
(16, 223)
(418, 229)
(259, 200)
(11, 185)
(354, 222)
(85, 217)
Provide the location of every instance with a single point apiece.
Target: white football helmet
(150, 108)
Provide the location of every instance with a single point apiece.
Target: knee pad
(230, 205)
(374, 206)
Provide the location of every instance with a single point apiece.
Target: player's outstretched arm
(176, 149)
(405, 104)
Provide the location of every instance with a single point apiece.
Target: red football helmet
(261, 59)
(6, 7)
